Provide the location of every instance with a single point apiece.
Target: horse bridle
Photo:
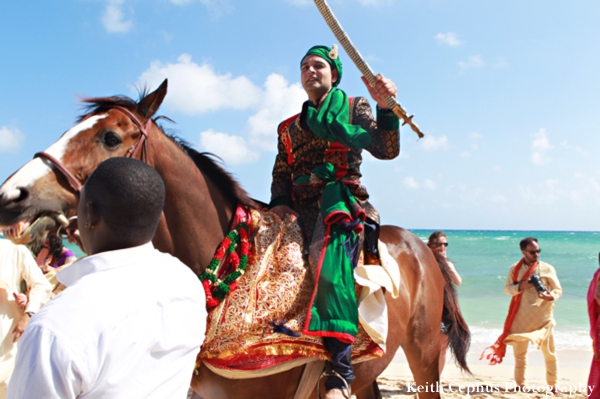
(131, 152)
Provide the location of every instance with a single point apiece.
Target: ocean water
(483, 258)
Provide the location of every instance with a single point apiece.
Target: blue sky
(507, 91)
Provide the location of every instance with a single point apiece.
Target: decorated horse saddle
(255, 320)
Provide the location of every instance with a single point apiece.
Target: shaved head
(129, 196)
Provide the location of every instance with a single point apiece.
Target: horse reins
(131, 152)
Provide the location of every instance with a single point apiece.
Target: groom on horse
(316, 177)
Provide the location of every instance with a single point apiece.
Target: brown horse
(200, 201)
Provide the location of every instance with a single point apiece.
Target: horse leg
(369, 392)
(208, 385)
(366, 373)
(422, 351)
(421, 297)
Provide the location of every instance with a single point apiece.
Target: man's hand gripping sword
(362, 65)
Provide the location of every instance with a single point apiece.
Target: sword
(362, 65)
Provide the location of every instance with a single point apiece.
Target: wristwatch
(30, 313)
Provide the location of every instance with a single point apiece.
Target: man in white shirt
(17, 264)
(132, 319)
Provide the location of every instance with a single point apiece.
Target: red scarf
(496, 352)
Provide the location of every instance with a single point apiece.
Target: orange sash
(496, 352)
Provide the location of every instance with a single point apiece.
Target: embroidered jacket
(299, 151)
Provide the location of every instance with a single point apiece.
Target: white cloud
(410, 183)
(448, 38)
(465, 154)
(113, 18)
(474, 135)
(167, 36)
(575, 148)
(10, 139)
(501, 64)
(430, 184)
(531, 192)
(473, 62)
(539, 159)
(218, 7)
(540, 145)
(232, 149)
(541, 142)
(197, 89)
(432, 143)
(588, 188)
(279, 102)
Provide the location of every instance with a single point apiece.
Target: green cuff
(387, 120)
(281, 200)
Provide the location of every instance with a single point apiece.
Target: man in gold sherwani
(534, 320)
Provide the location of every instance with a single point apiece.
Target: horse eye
(111, 139)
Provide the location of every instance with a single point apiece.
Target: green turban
(329, 55)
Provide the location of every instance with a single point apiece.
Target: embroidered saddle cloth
(257, 329)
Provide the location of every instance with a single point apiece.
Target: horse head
(42, 196)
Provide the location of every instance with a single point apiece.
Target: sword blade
(362, 65)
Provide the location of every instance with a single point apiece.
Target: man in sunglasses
(532, 313)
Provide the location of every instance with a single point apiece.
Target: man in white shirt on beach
(132, 319)
(16, 265)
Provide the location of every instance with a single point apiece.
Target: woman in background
(54, 254)
(438, 242)
(593, 300)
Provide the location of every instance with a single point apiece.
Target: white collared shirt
(129, 325)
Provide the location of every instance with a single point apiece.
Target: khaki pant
(547, 347)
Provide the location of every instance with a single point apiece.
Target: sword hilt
(401, 114)
(396, 107)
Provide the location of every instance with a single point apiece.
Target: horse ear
(150, 103)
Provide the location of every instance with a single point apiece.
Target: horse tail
(459, 336)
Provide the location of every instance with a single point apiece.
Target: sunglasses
(440, 244)
(537, 251)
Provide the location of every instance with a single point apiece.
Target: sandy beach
(492, 381)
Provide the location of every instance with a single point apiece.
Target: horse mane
(94, 105)
(207, 163)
